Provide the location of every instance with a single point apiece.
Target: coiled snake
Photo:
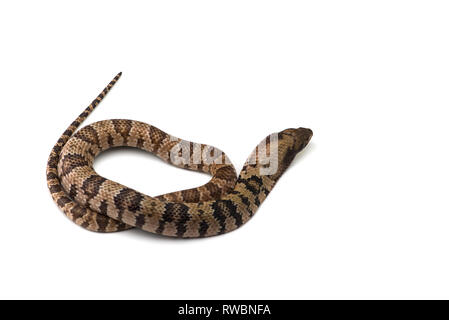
(222, 205)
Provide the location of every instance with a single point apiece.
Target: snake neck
(266, 164)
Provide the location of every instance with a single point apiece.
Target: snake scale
(223, 204)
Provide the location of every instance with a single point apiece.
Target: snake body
(223, 204)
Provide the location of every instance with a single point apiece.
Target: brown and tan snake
(223, 204)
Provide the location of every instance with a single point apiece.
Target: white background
(362, 213)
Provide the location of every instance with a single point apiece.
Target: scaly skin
(98, 204)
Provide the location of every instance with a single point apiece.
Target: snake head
(296, 138)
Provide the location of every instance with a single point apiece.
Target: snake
(222, 205)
